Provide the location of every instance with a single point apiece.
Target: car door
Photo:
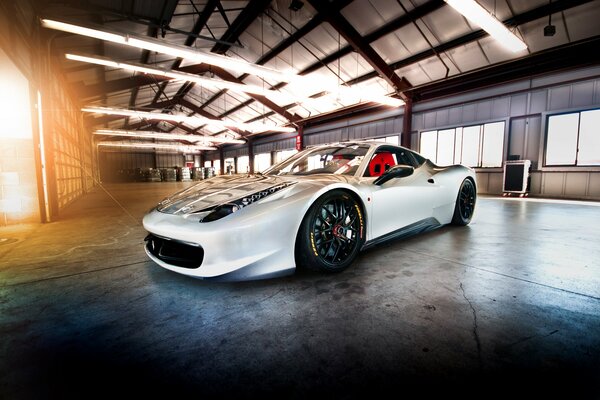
(401, 201)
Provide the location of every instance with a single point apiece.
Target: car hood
(218, 190)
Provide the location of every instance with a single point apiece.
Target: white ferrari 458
(317, 209)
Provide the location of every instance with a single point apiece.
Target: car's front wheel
(331, 234)
(465, 203)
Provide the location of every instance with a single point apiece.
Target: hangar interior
(88, 87)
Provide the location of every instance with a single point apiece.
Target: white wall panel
(442, 117)
(495, 182)
(469, 113)
(518, 104)
(538, 102)
(582, 94)
(536, 183)
(553, 183)
(517, 137)
(576, 184)
(483, 179)
(594, 186)
(534, 134)
(454, 115)
(559, 98)
(484, 110)
(500, 107)
(430, 120)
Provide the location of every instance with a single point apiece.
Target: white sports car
(317, 209)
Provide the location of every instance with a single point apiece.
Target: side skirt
(425, 225)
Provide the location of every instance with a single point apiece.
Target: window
(386, 157)
(283, 155)
(15, 105)
(445, 147)
(429, 145)
(229, 164)
(243, 165)
(338, 160)
(262, 161)
(573, 139)
(207, 164)
(388, 139)
(474, 146)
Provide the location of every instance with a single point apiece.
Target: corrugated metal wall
(111, 163)
(522, 105)
(169, 160)
(70, 157)
(73, 178)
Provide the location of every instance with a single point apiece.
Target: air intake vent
(175, 253)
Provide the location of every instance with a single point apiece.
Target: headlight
(224, 210)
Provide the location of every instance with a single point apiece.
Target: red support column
(222, 160)
(407, 124)
(300, 138)
(250, 156)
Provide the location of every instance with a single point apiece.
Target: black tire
(465, 203)
(331, 234)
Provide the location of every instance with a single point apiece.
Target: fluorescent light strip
(183, 76)
(187, 53)
(151, 44)
(184, 149)
(206, 140)
(236, 87)
(194, 121)
(478, 15)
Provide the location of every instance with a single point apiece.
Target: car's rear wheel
(331, 234)
(465, 203)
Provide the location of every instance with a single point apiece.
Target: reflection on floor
(512, 299)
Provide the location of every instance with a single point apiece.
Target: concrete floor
(513, 299)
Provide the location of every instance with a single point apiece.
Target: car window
(386, 157)
(338, 160)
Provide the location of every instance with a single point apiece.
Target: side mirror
(397, 171)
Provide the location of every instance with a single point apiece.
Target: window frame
(481, 125)
(544, 149)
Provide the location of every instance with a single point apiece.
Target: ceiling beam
(391, 26)
(117, 85)
(579, 54)
(134, 81)
(252, 10)
(152, 32)
(250, 13)
(275, 51)
(206, 114)
(200, 23)
(567, 57)
(358, 43)
(528, 16)
(92, 121)
(279, 48)
(220, 72)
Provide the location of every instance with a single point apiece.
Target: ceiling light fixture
(152, 44)
(178, 147)
(182, 76)
(240, 66)
(194, 121)
(496, 29)
(206, 140)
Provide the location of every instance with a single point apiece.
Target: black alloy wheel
(331, 234)
(465, 203)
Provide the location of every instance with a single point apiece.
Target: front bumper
(254, 243)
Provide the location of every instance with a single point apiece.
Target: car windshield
(340, 160)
